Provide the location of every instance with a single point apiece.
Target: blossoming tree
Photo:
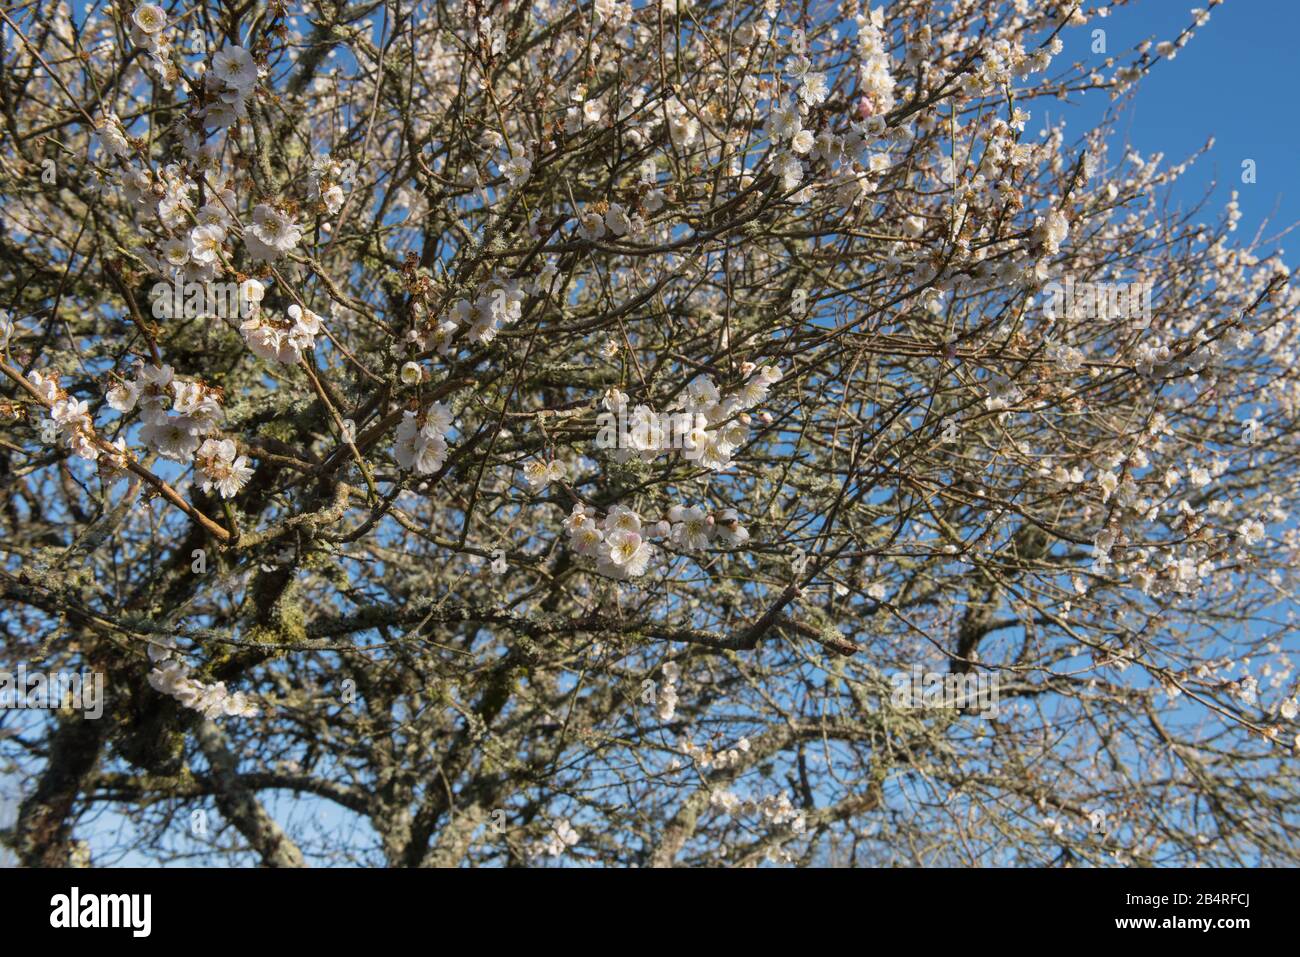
(367, 585)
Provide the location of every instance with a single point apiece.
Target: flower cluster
(111, 135)
(70, 415)
(707, 759)
(560, 838)
(666, 699)
(219, 466)
(271, 234)
(498, 303)
(540, 473)
(612, 218)
(198, 256)
(617, 543)
(774, 809)
(694, 529)
(230, 82)
(193, 246)
(325, 183)
(176, 413)
(170, 676)
(874, 76)
(282, 340)
(1051, 230)
(421, 444)
(148, 21)
(517, 169)
(723, 421)
(643, 433)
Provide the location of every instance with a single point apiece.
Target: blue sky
(1234, 80)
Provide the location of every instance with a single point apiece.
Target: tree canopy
(344, 353)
